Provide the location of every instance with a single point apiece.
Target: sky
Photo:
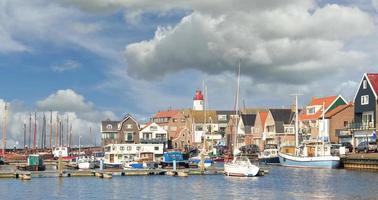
(99, 59)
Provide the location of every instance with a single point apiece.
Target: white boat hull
(86, 165)
(330, 162)
(231, 169)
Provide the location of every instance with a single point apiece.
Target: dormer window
(129, 126)
(311, 110)
(364, 99)
(109, 126)
(364, 84)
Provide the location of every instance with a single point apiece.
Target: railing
(156, 140)
(360, 126)
(343, 132)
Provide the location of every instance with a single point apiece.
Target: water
(280, 183)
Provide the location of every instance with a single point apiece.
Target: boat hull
(234, 170)
(329, 162)
(86, 165)
(270, 160)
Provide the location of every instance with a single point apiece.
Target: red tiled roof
(373, 79)
(263, 116)
(317, 102)
(166, 114)
(337, 110)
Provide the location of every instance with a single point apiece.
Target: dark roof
(105, 128)
(282, 115)
(225, 112)
(249, 119)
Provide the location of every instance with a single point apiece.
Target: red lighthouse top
(198, 95)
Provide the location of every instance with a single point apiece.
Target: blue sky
(109, 58)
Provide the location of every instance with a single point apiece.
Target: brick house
(311, 125)
(279, 127)
(120, 132)
(258, 129)
(339, 118)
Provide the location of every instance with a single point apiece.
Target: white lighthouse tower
(198, 101)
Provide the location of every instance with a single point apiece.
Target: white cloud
(82, 116)
(281, 44)
(66, 66)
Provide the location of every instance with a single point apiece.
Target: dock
(364, 161)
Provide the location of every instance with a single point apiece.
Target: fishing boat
(240, 165)
(313, 154)
(269, 155)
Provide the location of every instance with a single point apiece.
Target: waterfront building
(365, 110)
(311, 123)
(121, 153)
(248, 125)
(258, 129)
(339, 118)
(118, 132)
(109, 132)
(153, 134)
(279, 127)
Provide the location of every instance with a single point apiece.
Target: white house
(120, 153)
(154, 134)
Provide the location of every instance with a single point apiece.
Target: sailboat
(313, 154)
(240, 165)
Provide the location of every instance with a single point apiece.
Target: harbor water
(280, 183)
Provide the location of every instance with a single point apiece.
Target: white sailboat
(313, 154)
(240, 165)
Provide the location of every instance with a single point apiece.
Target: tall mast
(5, 127)
(35, 130)
(56, 130)
(30, 128)
(67, 131)
(323, 123)
(44, 132)
(50, 129)
(25, 134)
(70, 140)
(90, 135)
(204, 118)
(237, 107)
(296, 122)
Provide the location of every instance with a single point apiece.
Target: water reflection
(280, 183)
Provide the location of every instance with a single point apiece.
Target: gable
(370, 90)
(338, 102)
(159, 129)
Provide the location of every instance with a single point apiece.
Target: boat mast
(296, 122)
(5, 127)
(50, 129)
(30, 119)
(35, 131)
(237, 109)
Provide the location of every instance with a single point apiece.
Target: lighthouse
(198, 101)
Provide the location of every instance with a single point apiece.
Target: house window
(311, 110)
(367, 119)
(129, 126)
(364, 84)
(121, 148)
(364, 99)
(128, 148)
(156, 148)
(182, 120)
(345, 123)
(109, 126)
(199, 128)
(138, 148)
(147, 136)
(153, 128)
(129, 136)
(174, 120)
(222, 117)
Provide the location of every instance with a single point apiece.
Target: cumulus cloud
(82, 116)
(280, 44)
(65, 101)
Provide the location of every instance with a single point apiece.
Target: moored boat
(269, 155)
(241, 166)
